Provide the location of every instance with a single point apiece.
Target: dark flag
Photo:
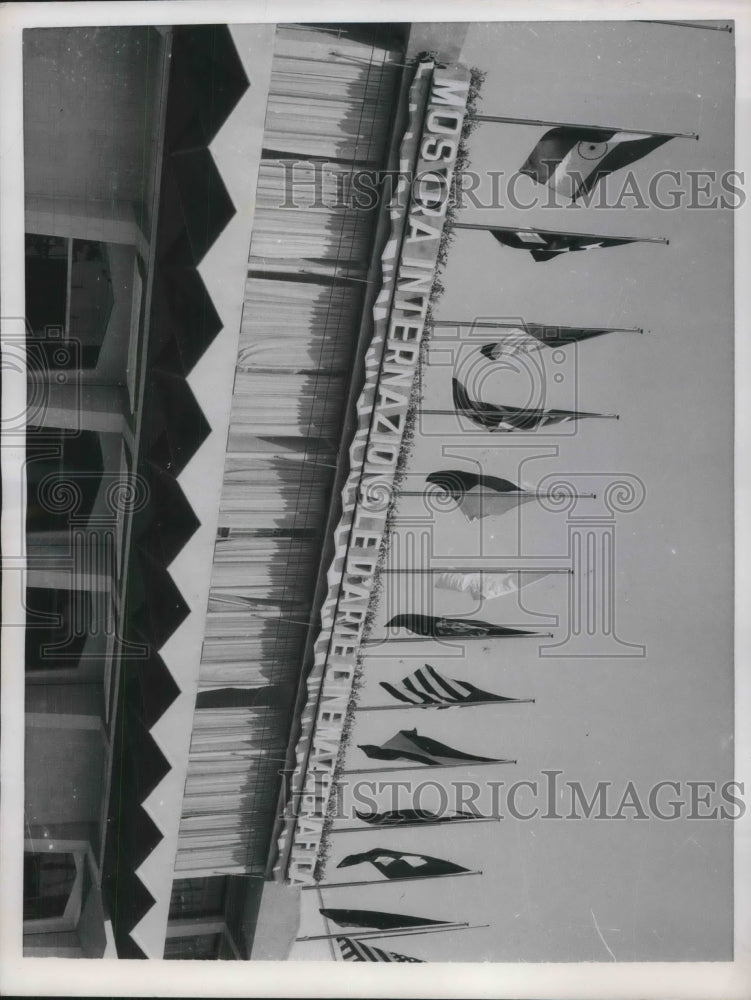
(427, 687)
(358, 951)
(398, 864)
(477, 495)
(572, 160)
(535, 336)
(457, 628)
(510, 418)
(400, 817)
(546, 245)
(376, 919)
(409, 745)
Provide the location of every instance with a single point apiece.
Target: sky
(584, 890)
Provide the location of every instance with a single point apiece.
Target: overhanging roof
(206, 82)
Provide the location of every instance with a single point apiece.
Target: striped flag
(545, 245)
(358, 951)
(478, 495)
(407, 744)
(376, 919)
(510, 418)
(486, 585)
(572, 160)
(427, 687)
(398, 864)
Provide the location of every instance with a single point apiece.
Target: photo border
(19, 976)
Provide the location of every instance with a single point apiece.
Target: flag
(409, 745)
(486, 585)
(377, 919)
(397, 864)
(445, 627)
(478, 495)
(515, 341)
(572, 160)
(510, 418)
(399, 817)
(535, 336)
(546, 245)
(358, 951)
(427, 687)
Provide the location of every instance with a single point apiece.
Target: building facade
(208, 276)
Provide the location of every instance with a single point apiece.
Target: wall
(93, 140)
(64, 770)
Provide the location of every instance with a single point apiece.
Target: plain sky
(585, 890)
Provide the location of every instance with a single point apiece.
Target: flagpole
(404, 932)
(387, 881)
(463, 413)
(508, 495)
(506, 120)
(463, 638)
(691, 24)
(330, 937)
(405, 826)
(525, 326)
(472, 569)
(458, 704)
(557, 232)
(487, 325)
(419, 767)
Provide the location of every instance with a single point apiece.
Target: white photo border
(578, 981)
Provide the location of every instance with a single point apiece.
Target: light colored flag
(486, 585)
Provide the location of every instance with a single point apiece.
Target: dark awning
(205, 83)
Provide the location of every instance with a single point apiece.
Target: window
(68, 298)
(197, 897)
(48, 881)
(78, 466)
(73, 613)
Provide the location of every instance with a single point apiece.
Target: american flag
(427, 687)
(358, 951)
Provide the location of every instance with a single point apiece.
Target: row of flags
(571, 160)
